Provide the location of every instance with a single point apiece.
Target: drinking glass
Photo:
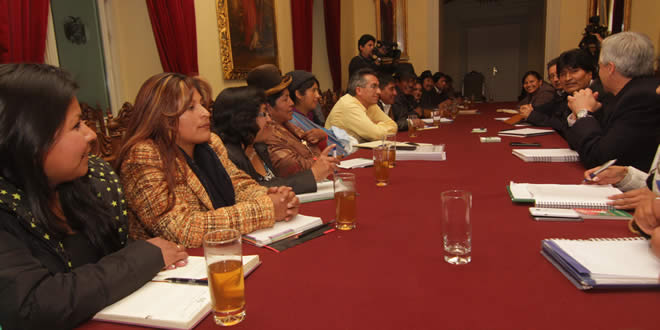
(381, 165)
(390, 141)
(457, 226)
(224, 262)
(412, 129)
(344, 185)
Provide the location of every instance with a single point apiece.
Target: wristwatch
(582, 113)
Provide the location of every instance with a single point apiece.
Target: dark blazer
(43, 286)
(628, 130)
(301, 182)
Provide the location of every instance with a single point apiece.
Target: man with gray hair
(629, 126)
(358, 113)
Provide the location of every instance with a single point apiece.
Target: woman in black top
(240, 119)
(63, 245)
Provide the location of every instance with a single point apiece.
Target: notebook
(423, 152)
(282, 230)
(324, 191)
(563, 196)
(547, 155)
(604, 263)
(169, 305)
(525, 132)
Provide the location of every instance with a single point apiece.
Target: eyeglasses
(263, 114)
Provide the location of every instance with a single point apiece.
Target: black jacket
(301, 182)
(40, 286)
(628, 130)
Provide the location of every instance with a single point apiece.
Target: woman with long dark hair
(178, 180)
(240, 118)
(63, 226)
(535, 91)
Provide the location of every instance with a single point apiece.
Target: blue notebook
(604, 263)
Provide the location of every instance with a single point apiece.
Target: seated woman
(535, 91)
(291, 149)
(304, 92)
(241, 120)
(63, 245)
(178, 180)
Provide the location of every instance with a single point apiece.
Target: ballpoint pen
(601, 169)
(182, 280)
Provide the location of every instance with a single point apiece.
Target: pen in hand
(601, 169)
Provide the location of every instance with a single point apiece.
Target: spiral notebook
(604, 263)
(563, 196)
(547, 155)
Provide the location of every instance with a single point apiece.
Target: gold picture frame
(248, 36)
(392, 25)
(598, 7)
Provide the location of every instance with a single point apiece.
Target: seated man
(399, 113)
(405, 80)
(553, 76)
(430, 97)
(357, 112)
(628, 129)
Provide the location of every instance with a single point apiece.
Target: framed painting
(391, 23)
(247, 33)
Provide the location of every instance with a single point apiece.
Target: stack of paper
(604, 263)
(323, 191)
(282, 230)
(356, 163)
(169, 305)
(547, 155)
(525, 132)
(423, 152)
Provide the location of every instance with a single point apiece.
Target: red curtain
(331, 10)
(301, 21)
(23, 26)
(173, 22)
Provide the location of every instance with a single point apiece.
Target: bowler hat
(269, 78)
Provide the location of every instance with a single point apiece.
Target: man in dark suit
(629, 127)
(397, 111)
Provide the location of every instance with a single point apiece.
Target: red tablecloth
(390, 272)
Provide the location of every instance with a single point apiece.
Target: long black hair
(235, 114)
(34, 99)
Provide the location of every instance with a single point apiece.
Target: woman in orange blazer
(178, 181)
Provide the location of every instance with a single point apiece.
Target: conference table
(389, 273)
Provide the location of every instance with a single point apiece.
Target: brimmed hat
(405, 71)
(269, 78)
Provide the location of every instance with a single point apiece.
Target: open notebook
(563, 196)
(169, 305)
(547, 155)
(604, 263)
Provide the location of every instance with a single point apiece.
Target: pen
(602, 168)
(182, 280)
(523, 144)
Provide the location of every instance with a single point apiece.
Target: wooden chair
(109, 130)
(328, 100)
